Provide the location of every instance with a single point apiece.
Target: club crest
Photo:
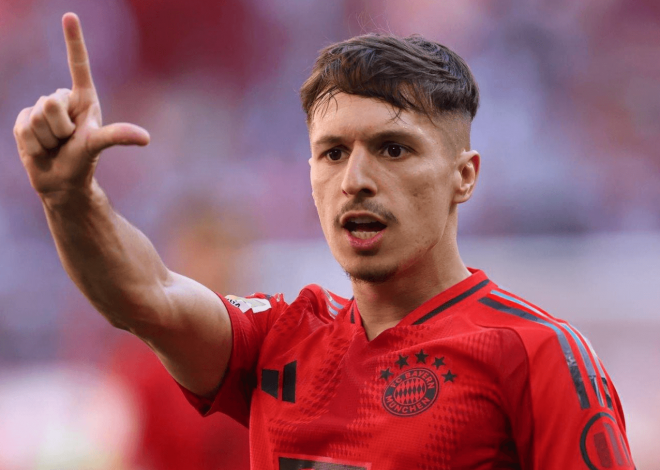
(412, 389)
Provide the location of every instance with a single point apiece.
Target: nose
(359, 174)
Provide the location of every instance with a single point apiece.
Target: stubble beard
(371, 275)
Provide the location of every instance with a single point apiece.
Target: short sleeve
(251, 318)
(572, 418)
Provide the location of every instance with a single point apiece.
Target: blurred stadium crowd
(567, 128)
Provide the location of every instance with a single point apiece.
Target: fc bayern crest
(416, 387)
(411, 392)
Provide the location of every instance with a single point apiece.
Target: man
(431, 365)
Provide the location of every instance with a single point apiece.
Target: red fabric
(173, 436)
(473, 379)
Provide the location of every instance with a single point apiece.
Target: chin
(371, 275)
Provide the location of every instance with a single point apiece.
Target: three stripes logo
(270, 382)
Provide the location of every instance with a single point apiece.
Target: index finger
(81, 74)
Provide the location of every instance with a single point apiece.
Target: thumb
(116, 134)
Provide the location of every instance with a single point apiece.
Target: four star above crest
(449, 377)
(403, 361)
(421, 357)
(439, 361)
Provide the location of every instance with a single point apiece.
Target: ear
(467, 169)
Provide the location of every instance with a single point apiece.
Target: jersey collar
(436, 306)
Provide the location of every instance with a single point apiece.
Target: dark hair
(409, 73)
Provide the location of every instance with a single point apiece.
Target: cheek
(429, 202)
(426, 191)
(323, 192)
(317, 187)
(314, 198)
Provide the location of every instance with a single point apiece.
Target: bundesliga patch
(603, 446)
(412, 389)
(243, 304)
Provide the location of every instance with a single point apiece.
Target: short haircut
(411, 73)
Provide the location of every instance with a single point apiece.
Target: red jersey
(475, 378)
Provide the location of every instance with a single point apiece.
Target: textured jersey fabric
(475, 378)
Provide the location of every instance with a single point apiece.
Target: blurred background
(566, 213)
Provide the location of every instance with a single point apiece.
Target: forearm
(59, 141)
(112, 263)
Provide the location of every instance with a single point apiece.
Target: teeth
(363, 235)
(362, 220)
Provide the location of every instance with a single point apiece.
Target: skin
(60, 140)
(407, 169)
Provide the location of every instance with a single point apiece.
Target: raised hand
(60, 138)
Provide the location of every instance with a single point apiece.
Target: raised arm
(59, 141)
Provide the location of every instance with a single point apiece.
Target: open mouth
(364, 227)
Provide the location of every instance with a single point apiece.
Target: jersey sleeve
(251, 318)
(570, 416)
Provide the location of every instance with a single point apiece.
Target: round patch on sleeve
(603, 445)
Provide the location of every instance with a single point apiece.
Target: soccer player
(430, 365)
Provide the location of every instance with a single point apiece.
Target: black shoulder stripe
(451, 302)
(593, 366)
(571, 362)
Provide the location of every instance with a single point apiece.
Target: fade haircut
(411, 74)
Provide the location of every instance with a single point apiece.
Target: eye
(394, 150)
(334, 154)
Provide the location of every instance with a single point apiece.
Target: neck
(383, 305)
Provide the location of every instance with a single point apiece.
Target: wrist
(73, 198)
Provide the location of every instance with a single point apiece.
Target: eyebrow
(382, 136)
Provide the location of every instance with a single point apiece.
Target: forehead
(357, 116)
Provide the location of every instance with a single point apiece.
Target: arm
(570, 420)
(116, 267)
